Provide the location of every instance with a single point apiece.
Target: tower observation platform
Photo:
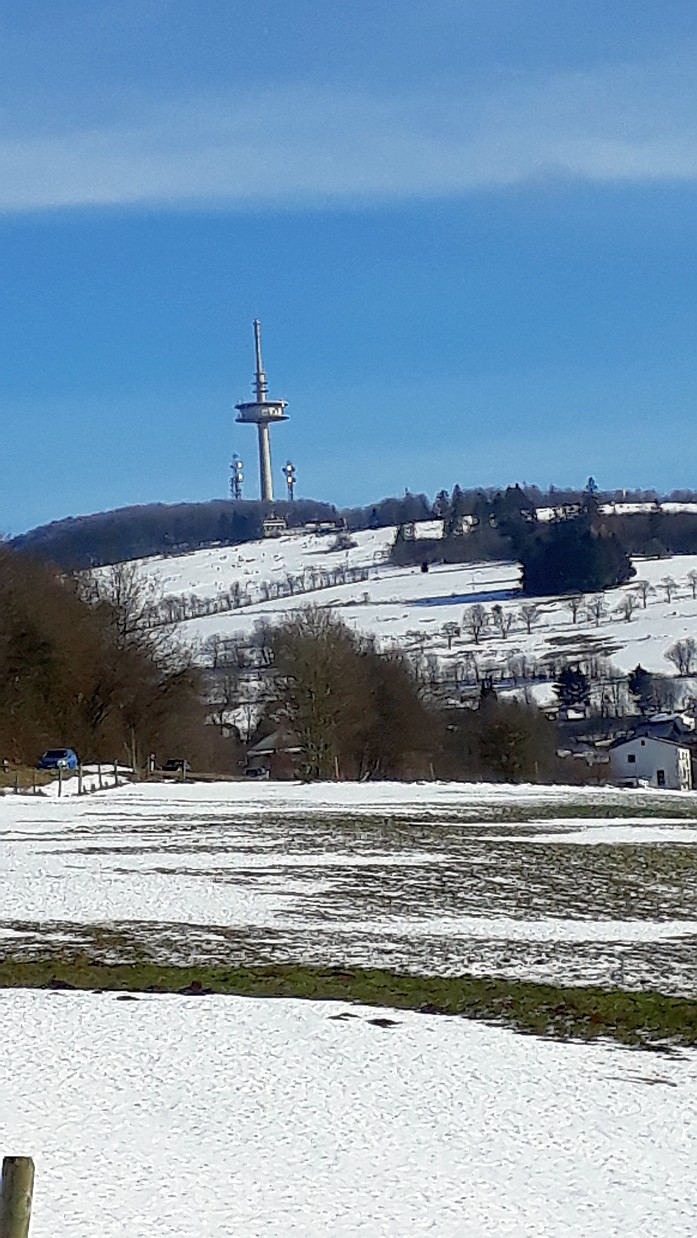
(262, 413)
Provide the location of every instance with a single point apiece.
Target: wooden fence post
(116, 773)
(79, 779)
(60, 779)
(16, 1197)
(99, 774)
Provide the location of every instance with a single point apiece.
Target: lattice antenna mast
(288, 471)
(236, 477)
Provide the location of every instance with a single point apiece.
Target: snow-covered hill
(414, 610)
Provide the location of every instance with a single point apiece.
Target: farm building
(658, 762)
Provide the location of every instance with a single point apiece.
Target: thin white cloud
(308, 146)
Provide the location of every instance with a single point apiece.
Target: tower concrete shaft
(261, 412)
(265, 479)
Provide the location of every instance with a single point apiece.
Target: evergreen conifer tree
(573, 688)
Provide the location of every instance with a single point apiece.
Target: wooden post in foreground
(16, 1196)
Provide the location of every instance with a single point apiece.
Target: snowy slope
(408, 608)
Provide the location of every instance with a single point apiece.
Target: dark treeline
(80, 668)
(580, 548)
(657, 533)
(495, 520)
(355, 712)
(158, 528)
(577, 550)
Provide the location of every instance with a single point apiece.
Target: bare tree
(529, 614)
(261, 643)
(616, 695)
(665, 693)
(321, 684)
(627, 607)
(644, 588)
(471, 667)
(596, 667)
(502, 619)
(226, 695)
(518, 667)
(683, 654)
(596, 608)
(133, 604)
(248, 715)
(450, 631)
(689, 704)
(432, 670)
(669, 586)
(214, 651)
(573, 604)
(474, 621)
(351, 709)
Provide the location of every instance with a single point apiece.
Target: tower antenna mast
(260, 376)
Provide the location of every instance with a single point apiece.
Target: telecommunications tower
(261, 412)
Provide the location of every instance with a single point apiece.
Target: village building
(276, 754)
(274, 526)
(647, 760)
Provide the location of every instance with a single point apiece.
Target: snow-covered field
(220, 1116)
(214, 1117)
(551, 884)
(409, 608)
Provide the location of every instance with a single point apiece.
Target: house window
(631, 758)
(643, 743)
(660, 777)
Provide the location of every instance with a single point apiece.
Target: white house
(660, 762)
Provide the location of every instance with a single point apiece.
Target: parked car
(175, 765)
(59, 758)
(256, 771)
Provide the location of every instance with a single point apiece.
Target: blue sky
(468, 228)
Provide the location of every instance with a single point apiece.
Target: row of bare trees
(170, 610)
(478, 623)
(595, 608)
(461, 679)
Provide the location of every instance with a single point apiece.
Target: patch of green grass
(25, 777)
(643, 1018)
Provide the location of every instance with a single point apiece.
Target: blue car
(59, 758)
